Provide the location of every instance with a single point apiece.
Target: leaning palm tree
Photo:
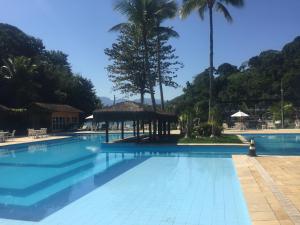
(209, 5)
(141, 13)
(165, 9)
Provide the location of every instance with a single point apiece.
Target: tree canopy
(254, 87)
(30, 73)
(142, 56)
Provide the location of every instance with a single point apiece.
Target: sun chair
(297, 124)
(2, 138)
(11, 135)
(271, 125)
(44, 132)
(30, 132)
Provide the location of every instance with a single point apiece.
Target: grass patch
(224, 139)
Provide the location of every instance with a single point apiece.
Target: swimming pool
(276, 144)
(78, 181)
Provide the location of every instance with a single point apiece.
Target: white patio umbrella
(240, 114)
(89, 117)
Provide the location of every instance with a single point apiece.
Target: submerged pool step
(35, 193)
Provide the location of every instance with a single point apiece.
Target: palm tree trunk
(151, 79)
(211, 61)
(142, 98)
(158, 46)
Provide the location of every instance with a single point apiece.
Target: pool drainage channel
(286, 204)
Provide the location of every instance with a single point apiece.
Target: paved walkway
(271, 187)
(22, 140)
(269, 131)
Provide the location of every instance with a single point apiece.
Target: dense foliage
(255, 88)
(30, 73)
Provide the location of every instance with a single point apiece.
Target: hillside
(254, 87)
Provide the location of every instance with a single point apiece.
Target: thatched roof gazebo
(139, 114)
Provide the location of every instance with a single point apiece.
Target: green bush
(206, 130)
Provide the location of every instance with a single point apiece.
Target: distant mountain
(108, 102)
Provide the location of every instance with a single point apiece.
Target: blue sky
(80, 29)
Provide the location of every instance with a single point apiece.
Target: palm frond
(168, 31)
(122, 6)
(202, 10)
(119, 27)
(191, 5)
(236, 3)
(221, 8)
(167, 9)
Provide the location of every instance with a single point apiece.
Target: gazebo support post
(154, 128)
(134, 133)
(150, 129)
(159, 128)
(106, 131)
(165, 127)
(122, 130)
(138, 129)
(143, 126)
(169, 128)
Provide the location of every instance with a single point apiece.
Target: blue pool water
(78, 180)
(276, 144)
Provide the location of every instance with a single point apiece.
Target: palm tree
(166, 9)
(209, 5)
(141, 13)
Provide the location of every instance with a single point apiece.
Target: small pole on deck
(169, 128)
(252, 149)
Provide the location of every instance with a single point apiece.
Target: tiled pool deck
(23, 140)
(271, 188)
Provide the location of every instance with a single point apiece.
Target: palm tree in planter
(203, 6)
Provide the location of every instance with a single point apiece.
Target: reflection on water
(37, 148)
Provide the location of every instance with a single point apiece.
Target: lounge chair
(11, 135)
(297, 124)
(271, 125)
(43, 132)
(31, 132)
(2, 138)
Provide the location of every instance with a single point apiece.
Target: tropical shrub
(207, 129)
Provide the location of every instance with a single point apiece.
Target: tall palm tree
(141, 13)
(209, 5)
(166, 9)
